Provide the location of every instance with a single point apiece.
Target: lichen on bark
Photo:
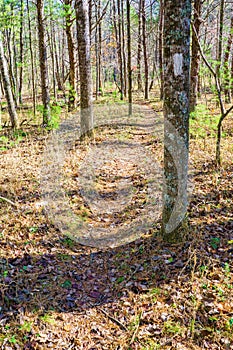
(177, 17)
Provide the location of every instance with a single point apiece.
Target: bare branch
(101, 17)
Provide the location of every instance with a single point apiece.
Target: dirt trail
(117, 177)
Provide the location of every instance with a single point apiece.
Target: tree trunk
(195, 62)
(153, 74)
(231, 75)
(226, 72)
(32, 59)
(70, 43)
(59, 76)
(10, 65)
(139, 53)
(7, 88)
(220, 39)
(50, 35)
(123, 48)
(21, 52)
(43, 63)
(129, 58)
(161, 17)
(100, 48)
(119, 49)
(177, 18)
(97, 49)
(90, 17)
(83, 37)
(146, 66)
(15, 77)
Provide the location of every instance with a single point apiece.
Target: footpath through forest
(117, 177)
(59, 294)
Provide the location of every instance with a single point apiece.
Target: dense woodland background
(42, 54)
(29, 28)
(59, 59)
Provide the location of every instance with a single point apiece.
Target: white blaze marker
(178, 64)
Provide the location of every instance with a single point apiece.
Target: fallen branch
(113, 319)
(8, 201)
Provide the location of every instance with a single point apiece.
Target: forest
(116, 172)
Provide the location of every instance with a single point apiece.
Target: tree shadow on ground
(68, 278)
(72, 277)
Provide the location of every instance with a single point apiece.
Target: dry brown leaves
(57, 294)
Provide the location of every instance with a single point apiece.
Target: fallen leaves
(57, 294)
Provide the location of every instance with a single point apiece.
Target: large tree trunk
(7, 88)
(83, 37)
(195, 55)
(43, 63)
(177, 18)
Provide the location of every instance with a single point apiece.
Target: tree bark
(100, 48)
(83, 37)
(220, 39)
(129, 57)
(32, 59)
(7, 88)
(139, 53)
(50, 35)
(177, 18)
(10, 64)
(146, 66)
(21, 52)
(195, 62)
(70, 43)
(231, 73)
(43, 63)
(226, 72)
(161, 17)
(123, 47)
(119, 49)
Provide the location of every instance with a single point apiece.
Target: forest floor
(143, 295)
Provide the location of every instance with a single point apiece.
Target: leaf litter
(58, 294)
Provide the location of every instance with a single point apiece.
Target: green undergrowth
(11, 140)
(203, 123)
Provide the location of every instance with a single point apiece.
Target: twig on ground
(136, 329)
(133, 273)
(8, 201)
(192, 255)
(113, 319)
